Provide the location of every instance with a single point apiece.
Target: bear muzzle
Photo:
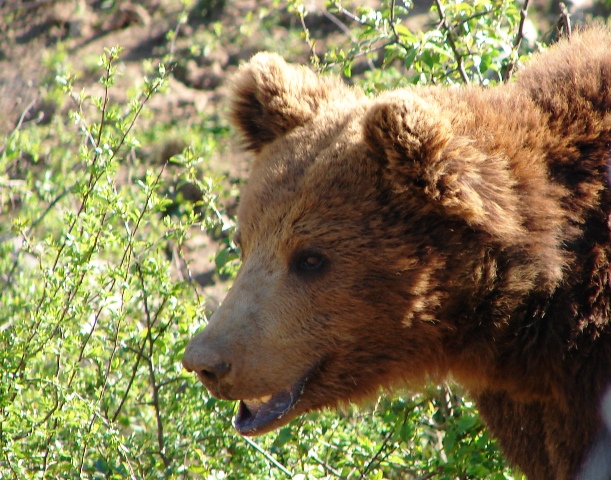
(255, 415)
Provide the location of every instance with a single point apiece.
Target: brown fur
(465, 233)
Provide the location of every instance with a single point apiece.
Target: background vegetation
(118, 182)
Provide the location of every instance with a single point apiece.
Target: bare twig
(391, 21)
(326, 466)
(306, 32)
(457, 56)
(19, 123)
(9, 278)
(351, 16)
(393, 26)
(155, 387)
(173, 42)
(332, 18)
(517, 42)
(379, 452)
(25, 113)
(564, 22)
(347, 31)
(483, 13)
(395, 40)
(139, 355)
(268, 457)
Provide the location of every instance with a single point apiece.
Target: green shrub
(95, 315)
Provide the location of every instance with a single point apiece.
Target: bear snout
(211, 368)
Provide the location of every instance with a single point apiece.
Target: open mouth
(255, 413)
(259, 415)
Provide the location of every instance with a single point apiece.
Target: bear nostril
(215, 372)
(208, 375)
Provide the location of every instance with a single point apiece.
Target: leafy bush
(474, 42)
(95, 315)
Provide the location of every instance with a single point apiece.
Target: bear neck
(516, 329)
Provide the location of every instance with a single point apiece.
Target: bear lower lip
(254, 416)
(260, 415)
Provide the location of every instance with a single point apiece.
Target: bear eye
(309, 262)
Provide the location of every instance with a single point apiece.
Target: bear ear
(271, 97)
(408, 132)
(420, 155)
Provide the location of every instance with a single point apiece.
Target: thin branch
(379, 452)
(383, 446)
(392, 20)
(172, 49)
(346, 30)
(351, 16)
(332, 18)
(309, 41)
(25, 113)
(517, 42)
(393, 26)
(365, 52)
(327, 467)
(139, 355)
(9, 279)
(459, 59)
(483, 13)
(34, 427)
(564, 22)
(268, 457)
(151, 368)
(395, 40)
(178, 252)
(93, 179)
(427, 475)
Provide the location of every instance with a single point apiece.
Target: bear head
(353, 228)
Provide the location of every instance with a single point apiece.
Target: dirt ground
(216, 37)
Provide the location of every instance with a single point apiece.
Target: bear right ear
(271, 97)
(411, 135)
(419, 152)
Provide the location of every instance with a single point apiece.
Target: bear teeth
(257, 402)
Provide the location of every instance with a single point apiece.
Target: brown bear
(423, 234)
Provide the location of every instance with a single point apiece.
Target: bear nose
(209, 366)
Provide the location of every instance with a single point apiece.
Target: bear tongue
(256, 413)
